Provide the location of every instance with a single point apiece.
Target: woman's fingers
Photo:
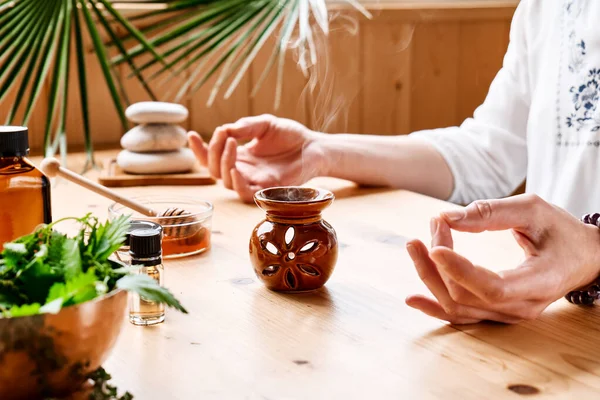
(199, 148)
(441, 235)
(435, 310)
(243, 129)
(523, 283)
(428, 273)
(518, 212)
(215, 152)
(248, 127)
(228, 162)
(244, 189)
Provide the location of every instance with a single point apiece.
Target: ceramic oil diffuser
(293, 249)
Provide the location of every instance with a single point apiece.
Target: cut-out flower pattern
(293, 258)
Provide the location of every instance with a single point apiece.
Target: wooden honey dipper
(51, 167)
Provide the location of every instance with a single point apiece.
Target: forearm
(404, 162)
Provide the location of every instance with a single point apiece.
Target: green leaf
(83, 96)
(71, 258)
(11, 294)
(123, 51)
(56, 247)
(60, 64)
(65, 73)
(52, 308)
(148, 288)
(107, 238)
(44, 67)
(104, 62)
(24, 311)
(128, 270)
(15, 249)
(132, 30)
(39, 39)
(76, 290)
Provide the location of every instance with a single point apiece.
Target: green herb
(102, 390)
(47, 270)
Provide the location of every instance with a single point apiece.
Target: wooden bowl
(50, 355)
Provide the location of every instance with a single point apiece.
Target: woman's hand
(280, 152)
(562, 254)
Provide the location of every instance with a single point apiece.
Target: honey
(185, 233)
(192, 244)
(24, 190)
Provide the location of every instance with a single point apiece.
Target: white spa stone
(173, 162)
(156, 112)
(154, 138)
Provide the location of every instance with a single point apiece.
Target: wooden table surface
(355, 339)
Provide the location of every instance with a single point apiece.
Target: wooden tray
(113, 176)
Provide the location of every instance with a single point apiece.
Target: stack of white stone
(158, 144)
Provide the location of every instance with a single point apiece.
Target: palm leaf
(207, 37)
(35, 50)
(82, 78)
(203, 38)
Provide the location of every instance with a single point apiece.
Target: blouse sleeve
(487, 154)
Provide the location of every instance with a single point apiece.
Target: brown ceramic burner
(293, 249)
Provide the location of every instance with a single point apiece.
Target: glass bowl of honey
(186, 222)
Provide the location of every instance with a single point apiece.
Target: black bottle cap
(145, 243)
(138, 224)
(14, 141)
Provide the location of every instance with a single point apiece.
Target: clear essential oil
(24, 190)
(145, 252)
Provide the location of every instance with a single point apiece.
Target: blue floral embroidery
(569, 6)
(585, 100)
(578, 52)
(584, 83)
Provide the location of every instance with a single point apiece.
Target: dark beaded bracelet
(590, 295)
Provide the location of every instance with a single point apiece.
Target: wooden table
(355, 339)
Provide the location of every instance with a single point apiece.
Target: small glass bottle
(123, 252)
(145, 252)
(24, 190)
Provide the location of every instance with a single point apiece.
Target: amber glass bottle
(24, 190)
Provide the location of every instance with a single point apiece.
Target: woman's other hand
(561, 255)
(275, 152)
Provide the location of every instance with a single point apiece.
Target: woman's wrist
(593, 254)
(587, 290)
(320, 152)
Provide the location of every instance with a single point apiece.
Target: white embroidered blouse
(541, 118)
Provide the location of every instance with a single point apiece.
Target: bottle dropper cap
(14, 141)
(145, 243)
(140, 224)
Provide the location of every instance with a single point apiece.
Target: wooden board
(113, 176)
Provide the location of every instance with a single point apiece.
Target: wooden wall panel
(204, 119)
(163, 85)
(386, 68)
(414, 66)
(105, 125)
(335, 82)
(37, 121)
(293, 100)
(435, 75)
(482, 48)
